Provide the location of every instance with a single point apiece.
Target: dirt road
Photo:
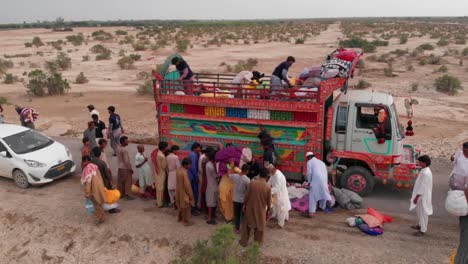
(49, 224)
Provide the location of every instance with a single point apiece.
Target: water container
(89, 206)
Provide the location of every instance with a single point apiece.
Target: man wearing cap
(317, 176)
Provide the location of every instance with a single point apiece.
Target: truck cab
(363, 147)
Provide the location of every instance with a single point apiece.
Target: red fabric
(381, 217)
(154, 158)
(347, 55)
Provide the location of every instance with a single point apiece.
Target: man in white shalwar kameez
(317, 176)
(421, 199)
(279, 190)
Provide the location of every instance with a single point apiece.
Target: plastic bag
(351, 221)
(108, 207)
(89, 206)
(456, 203)
(111, 196)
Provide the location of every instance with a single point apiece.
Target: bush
(143, 75)
(379, 43)
(63, 61)
(56, 45)
(300, 41)
(37, 42)
(423, 61)
(128, 39)
(404, 39)
(362, 84)
(222, 248)
(28, 44)
(389, 71)
(126, 63)
(3, 101)
(85, 58)
(9, 78)
(139, 46)
(76, 40)
(81, 79)
(414, 87)
(102, 52)
(465, 51)
(425, 46)
(56, 85)
(443, 42)
(121, 53)
(443, 69)
(434, 60)
(135, 57)
(448, 84)
(121, 32)
(145, 88)
(4, 65)
(37, 83)
(101, 35)
(358, 42)
(182, 45)
(360, 64)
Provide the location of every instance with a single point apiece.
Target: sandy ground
(48, 224)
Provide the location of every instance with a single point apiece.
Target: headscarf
(246, 156)
(88, 173)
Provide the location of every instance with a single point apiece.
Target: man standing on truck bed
(186, 74)
(280, 74)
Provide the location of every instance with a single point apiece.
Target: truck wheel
(20, 179)
(358, 180)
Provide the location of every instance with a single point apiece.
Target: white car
(31, 158)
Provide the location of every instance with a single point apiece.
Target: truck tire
(20, 179)
(358, 180)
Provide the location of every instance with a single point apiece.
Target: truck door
(341, 126)
(363, 138)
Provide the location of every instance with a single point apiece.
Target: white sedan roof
(8, 130)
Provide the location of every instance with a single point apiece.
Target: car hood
(53, 154)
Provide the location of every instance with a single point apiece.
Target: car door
(6, 164)
(363, 137)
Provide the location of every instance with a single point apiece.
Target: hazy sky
(13, 11)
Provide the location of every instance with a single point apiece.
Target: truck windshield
(399, 128)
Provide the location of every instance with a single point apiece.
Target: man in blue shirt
(186, 74)
(193, 172)
(280, 74)
(115, 129)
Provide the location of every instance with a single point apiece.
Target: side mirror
(3, 154)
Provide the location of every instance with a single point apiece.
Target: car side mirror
(3, 154)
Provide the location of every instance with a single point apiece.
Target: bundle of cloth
(347, 199)
(299, 196)
(370, 223)
(338, 64)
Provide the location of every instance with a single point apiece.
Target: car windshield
(27, 141)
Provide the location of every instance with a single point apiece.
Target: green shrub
(145, 88)
(443, 42)
(128, 39)
(9, 78)
(358, 42)
(379, 43)
(28, 44)
(182, 45)
(222, 248)
(404, 39)
(362, 84)
(465, 51)
(434, 60)
(139, 46)
(423, 61)
(3, 101)
(101, 35)
(121, 32)
(389, 71)
(63, 61)
(448, 84)
(143, 75)
(37, 42)
(300, 41)
(56, 85)
(5, 65)
(135, 57)
(414, 87)
(122, 53)
(400, 52)
(81, 79)
(425, 46)
(56, 45)
(37, 82)
(126, 63)
(443, 69)
(102, 52)
(76, 40)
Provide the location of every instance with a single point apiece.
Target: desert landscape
(421, 59)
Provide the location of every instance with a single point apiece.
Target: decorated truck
(357, 132)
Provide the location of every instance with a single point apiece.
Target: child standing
(421, 198)
(145, 179)
(241, 182)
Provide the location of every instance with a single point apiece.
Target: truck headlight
(34, 164)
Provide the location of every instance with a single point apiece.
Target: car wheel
(358, 180)
(20, 179)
